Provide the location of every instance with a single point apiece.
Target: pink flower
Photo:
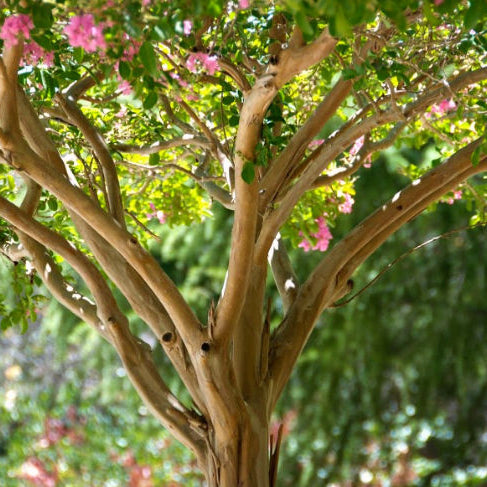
(125, 87)
(442, 107)
(82, 32)
(158, 214)
(346, 206)
(457, 195)
(357, 146)
(15, 26)
(130, 51)
(33, 54)
(180, 81)
(187, 26)
(242, 4)
(209, 62)
(323, 237)
(315, 143)
(439, 2)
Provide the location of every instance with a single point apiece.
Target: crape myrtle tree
(115, 115)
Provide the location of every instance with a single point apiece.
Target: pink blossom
(346, 206)
(357, 146)
(187, 26)
(209, 62)
(439, 2)
(242, 4)
(15, 26)
(33, 54)
(457, 195)
(125, 87)
(192, 96)
(315, 143)
(323, 237)
(368, 161)
(442, 107)
(130, 51)
(82, 32)
(158, 214)
(180, 81)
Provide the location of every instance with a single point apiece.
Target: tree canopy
(118, 117)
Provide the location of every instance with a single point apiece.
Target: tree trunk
(244, 463)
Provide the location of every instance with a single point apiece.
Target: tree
(116, 114)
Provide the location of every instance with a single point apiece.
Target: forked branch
(330, 277)
(290, 62)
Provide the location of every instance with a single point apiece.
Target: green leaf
(349, 73)
(154, 159)
(304, 25)
(52, 204)
(342, 25)
(124, 69)
(228, 100)
(248, 172)
(476, 155)
(234, 121)
(78, 54)
(42, 15)
(148, 57)
(150, 100)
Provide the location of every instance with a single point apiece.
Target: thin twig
(403, 256)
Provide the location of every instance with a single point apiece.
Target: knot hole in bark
(167, 337)
(205, 347)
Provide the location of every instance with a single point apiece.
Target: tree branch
(132, 286)
(330, 277)
(284, 276)
(23, 158)
(339, 141)
(93, 136)
(160, 146)
(291, 61)
(113, 325)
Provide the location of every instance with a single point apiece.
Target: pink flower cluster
(457, 195)
(156, 214)
(346, 206)
(243, 4)
(207, 61)
(83, 32)
(357, 146)
(441, 108)
(323, 237)
(315, 143)
(14, 27)
(187, 26)
(33, 54)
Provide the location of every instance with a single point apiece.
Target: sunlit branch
(291, 61)
(156, 147)
(113, 325)
(329, 278)
(93, 136)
